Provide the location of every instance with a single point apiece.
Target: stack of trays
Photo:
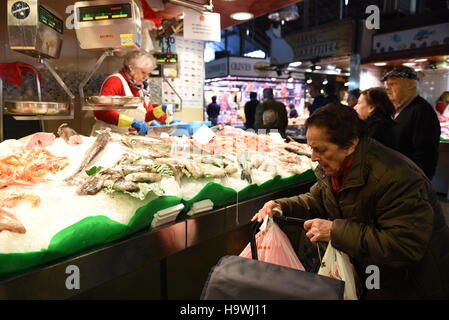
(201, 206)
(166, 216)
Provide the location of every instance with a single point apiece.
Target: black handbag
(238, 278)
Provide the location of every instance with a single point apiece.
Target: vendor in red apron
(129, 82)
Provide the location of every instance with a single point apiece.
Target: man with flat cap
(417, 129)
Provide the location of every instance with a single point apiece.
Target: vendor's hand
(154, 123)
(140, 126)
(318, 230)
(175, 121)
(267, 209)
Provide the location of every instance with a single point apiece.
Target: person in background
(417, 128)
(213, 111)
(375, 205)
(442, 104)
(271, 114)
(318, 99)
(376, 110)
(129, 82)
(353, 97)
(330, 95)
(293, 112)
(250, 110)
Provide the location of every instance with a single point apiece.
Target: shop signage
(217, 68)
(424, 37)
(246, 67)
(330, 41)
(241, 67)
(202, 26)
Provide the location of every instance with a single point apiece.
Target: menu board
(189, 83)
(106, 12)
(49, 19)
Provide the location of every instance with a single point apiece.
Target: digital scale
(36, 30)
(114, 27)
(111, 26)
(108, 25)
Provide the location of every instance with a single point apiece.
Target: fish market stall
(111, 203)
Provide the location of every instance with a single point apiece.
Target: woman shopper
(375, 205)
(375, 108)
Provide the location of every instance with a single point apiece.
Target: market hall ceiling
(226, 7)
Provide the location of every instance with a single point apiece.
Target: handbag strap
(252, 238)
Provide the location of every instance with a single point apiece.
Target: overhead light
(338, 70)
(241, 16)
(409, 64)
(325, 82)
(282, 21)
(421, 60)
(295, 64)
(288, 14)
(331, 67)
(309, 81)
(309, 70)
(318, 67)
(380, 64)
(273, 79)
(290, 79)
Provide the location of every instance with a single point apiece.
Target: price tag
(276, 137)
(203, 135)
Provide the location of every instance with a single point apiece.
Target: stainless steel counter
(127, 262)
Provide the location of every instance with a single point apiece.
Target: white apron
(139, 113)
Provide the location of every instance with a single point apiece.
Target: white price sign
(202, 26)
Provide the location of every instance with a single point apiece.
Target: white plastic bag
(273, 246)
(336, 264)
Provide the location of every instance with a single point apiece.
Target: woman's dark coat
(386, 214)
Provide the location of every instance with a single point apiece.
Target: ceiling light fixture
(295, 64)
(309, 70)
(318, 67)
(288, 14)
(409, 64)
(421, 60)
(331, 67)
(380, 64)
(241, 16)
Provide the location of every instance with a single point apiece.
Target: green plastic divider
(97, 230)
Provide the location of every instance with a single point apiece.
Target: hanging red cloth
(12, 71)
(338, 181)
(150, 14)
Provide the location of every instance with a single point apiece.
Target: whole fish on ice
(92, 153)
(70, 136)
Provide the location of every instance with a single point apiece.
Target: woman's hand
(267, 209)
(318, 230)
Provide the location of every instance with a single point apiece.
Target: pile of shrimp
(29, 167)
